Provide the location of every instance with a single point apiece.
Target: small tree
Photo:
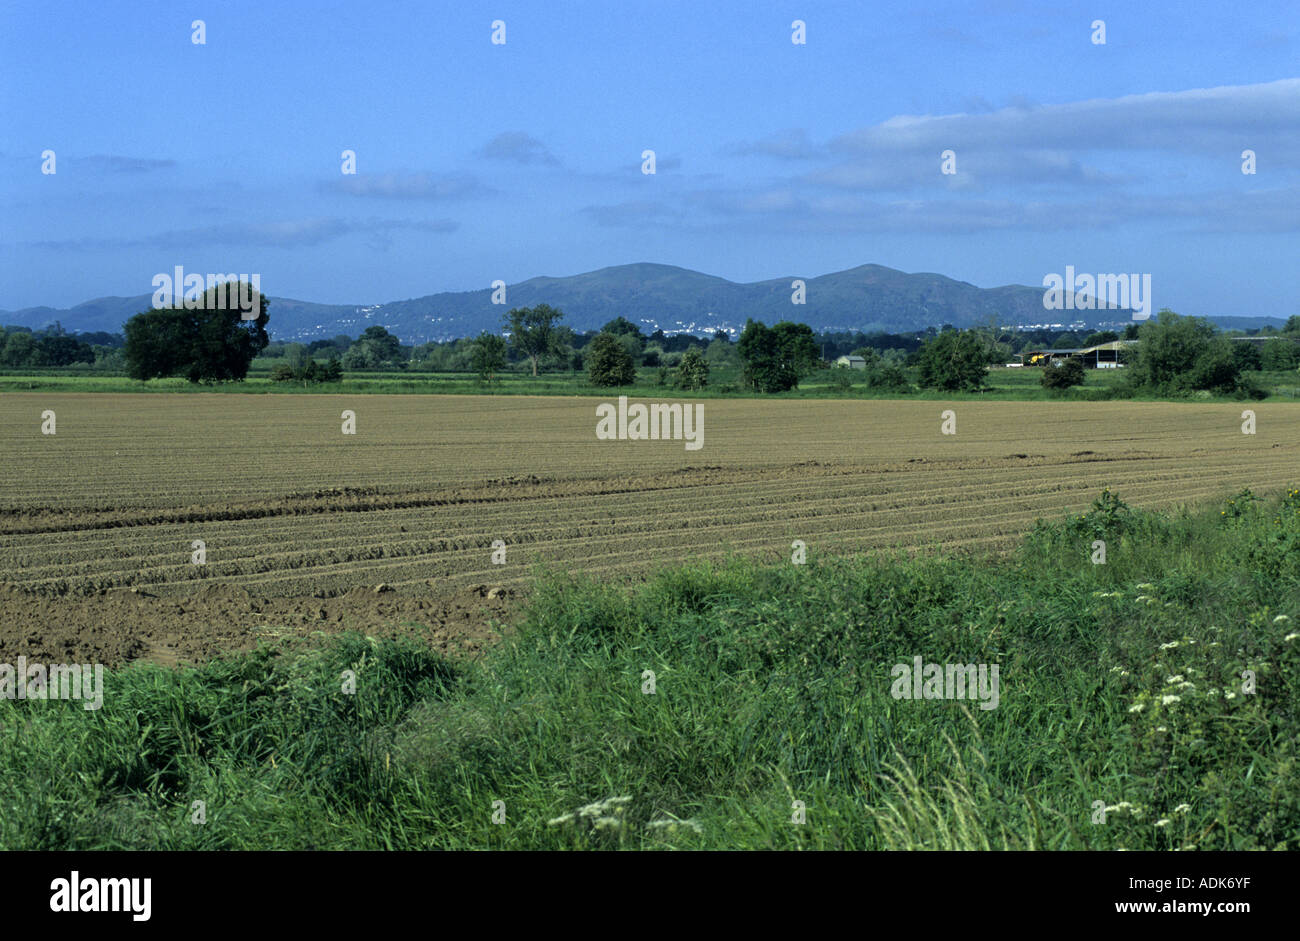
(693, 370)
(953, 361)
(332, 371)
(1068, 373)
(533, 331)
(608, 362)
(488, 355)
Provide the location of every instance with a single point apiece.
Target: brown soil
(98, 523)
(119, 626)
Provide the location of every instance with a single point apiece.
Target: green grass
(1011, 385)
(772, 686)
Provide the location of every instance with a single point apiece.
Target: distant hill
(110, 313)
(869, 297)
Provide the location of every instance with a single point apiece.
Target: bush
(1063, 376)
(310, 371)
(693, 371)
(887, 377)
(608, 362)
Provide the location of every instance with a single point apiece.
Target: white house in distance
(853, 362)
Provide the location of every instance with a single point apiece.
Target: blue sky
(478, 161)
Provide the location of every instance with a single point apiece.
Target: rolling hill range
(869, 297)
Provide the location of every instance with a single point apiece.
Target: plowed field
(292, 511)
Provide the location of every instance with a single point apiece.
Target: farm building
(853, 362)
(1102, 356)
(1265, 338)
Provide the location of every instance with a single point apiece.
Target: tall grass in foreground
(1120, 683)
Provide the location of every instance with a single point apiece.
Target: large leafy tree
(533, 331)
(376, 348)
(774, 358)
(209, 343)
(20, 349)
(1180, 354)
(629, 334)
(621, 326)
(608, 361)
(953, 361)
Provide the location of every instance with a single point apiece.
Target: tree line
(210, 341)
(53, 346)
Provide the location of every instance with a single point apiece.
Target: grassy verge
(1008, 385)
(1120, 683)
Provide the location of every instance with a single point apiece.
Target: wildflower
(1167, 700)
(1169, 646)
(1146, 586)
(1161, 728)
(1229, 695)
(608, 823)
(1187, 686)
(1162, 822)
(1144, 599)
(1280, 618)
(1176, 678)
(1290, 637)
(1137, 707)
(599, 808)
(1182, 808)
(558, 820)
